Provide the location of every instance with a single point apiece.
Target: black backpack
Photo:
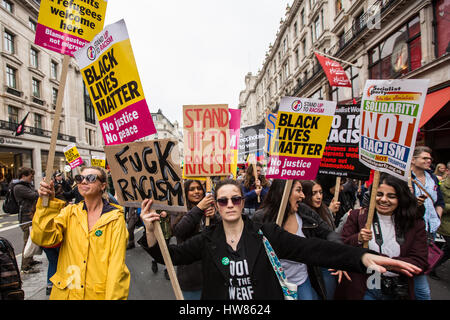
(10, 205)
(10, 281)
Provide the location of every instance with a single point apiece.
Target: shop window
(442, 26)
(399, 54)
(58, 164)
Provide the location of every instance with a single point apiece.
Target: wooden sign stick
(373, 195)
(337, 188)
(208, 190)
(284, 201)
(168, 261)
(255, 174)
(55, 128)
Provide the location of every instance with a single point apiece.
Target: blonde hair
(436, 171)
(102, 177)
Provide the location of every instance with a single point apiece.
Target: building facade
(29, 82)
(383, 39)
(167, 130)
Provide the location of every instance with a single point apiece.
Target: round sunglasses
(236, 200)
(90, 178)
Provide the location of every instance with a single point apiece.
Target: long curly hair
(322, 211)
(249, 178)
(272, 201)
(406, 212)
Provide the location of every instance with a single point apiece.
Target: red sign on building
(334, 71)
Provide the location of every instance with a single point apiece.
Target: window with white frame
(34, 58)
(38, 121)
(13, 114)
(53, 70)
(32, 24)
(11, 80)
(36, 88)
(8, 41)
(7, 5)
(54, 96)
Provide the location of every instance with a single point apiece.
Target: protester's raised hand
(148, 215)
(364, 235)
(209, 212)
(334, 206)
(382, 264)
(47, 189)
(206, 202)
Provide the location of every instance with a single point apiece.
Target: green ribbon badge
(225, 261)
(98, 233)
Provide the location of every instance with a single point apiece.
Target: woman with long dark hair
(300, 220)
(314, 199)
(186, 225)
(235, 263)
(398, 231)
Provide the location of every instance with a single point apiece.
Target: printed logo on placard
(296, 105)
(91, 53)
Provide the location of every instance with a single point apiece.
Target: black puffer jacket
(210, 247)
(313, 227)
(185, 226)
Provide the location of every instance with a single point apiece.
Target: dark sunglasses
(90, 178)
(224, 201)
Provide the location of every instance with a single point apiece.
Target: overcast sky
(197, 51)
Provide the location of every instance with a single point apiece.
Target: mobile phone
(423, 196)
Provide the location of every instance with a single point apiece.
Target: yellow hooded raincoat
(91, 264)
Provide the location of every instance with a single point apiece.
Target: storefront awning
(433, 103)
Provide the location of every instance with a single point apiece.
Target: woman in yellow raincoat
(93, 238)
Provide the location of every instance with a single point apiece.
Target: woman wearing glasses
(93, 238)
(235, 265)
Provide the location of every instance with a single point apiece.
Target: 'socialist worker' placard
(300, 136)
(65, 26)
(147, 169)
(206, 132)
(390, 115)
(112, 79)
(72, 156)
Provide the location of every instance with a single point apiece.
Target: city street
(145, 285)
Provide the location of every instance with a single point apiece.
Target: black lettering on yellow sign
(293, 133)
(76, 17)
(104, 87)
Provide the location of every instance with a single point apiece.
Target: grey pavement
(144, 284)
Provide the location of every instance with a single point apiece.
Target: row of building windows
(397, 55)
(9, 46)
